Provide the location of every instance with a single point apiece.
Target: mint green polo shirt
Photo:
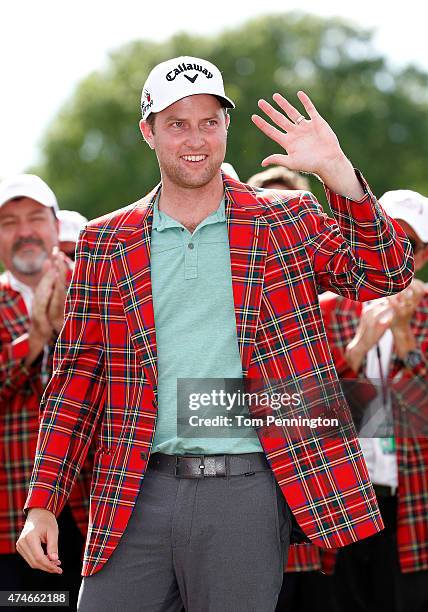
(195, 323)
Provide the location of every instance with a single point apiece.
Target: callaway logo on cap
(178, 78)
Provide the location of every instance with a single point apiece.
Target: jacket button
(143, 456)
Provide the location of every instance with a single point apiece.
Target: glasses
(416, 245)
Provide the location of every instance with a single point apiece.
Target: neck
(191, 206)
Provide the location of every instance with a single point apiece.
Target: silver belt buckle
(201, 466)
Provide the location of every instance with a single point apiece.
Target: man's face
(28, 232)
(420, 249)
(189, 138)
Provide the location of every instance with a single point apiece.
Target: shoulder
(116, 219)
(273, 201)
(103, 229)
(5, 286)
(8, 296)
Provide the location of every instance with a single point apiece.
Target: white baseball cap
(409, 206)
(71, 223)
(27, 186)
(178, 78)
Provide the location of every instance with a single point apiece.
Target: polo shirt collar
(162, 221)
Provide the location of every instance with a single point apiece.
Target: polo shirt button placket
(191, 258)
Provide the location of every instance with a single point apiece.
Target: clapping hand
(59, 290)
(47, 316)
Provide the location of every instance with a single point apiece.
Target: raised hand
(310, 144)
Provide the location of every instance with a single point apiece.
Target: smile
(194, 158)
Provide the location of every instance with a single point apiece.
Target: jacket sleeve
(361, 254)
(74, 398)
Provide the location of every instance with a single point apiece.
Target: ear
(227, 119)
(147, 133)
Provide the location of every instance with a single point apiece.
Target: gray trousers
(210, 545)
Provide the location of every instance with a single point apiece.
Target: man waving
(207, 278)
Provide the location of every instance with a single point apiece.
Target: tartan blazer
(282, 245)
(409, 387)
(20, 394)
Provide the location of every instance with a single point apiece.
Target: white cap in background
(409, 206)
(71, 223)
(27, 186)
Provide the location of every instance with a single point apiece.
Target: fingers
(30, 548)
(386, 317)
(408, 298)
(308, 104)
(47, 265)
(277, 160)
(281, 120)
(288, 108)
(268, 129)
(383, 314)
(52, 546)
(43, 291)
(419, 288)
(378, 317)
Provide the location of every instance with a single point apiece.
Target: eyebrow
(12, 215)
(177, 118)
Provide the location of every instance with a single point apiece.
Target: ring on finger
(299, 119)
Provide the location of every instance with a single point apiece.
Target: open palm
(310, 144)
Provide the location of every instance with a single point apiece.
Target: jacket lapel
(131, 267)
(248, 241)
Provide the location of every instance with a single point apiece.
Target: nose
(24, 230)
(195, 138)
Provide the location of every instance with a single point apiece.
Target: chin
(29, 265)
(194, 181)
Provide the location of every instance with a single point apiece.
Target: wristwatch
(413, 359)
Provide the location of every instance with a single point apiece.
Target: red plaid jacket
(20, 394)
(104, 384)
(410, 407)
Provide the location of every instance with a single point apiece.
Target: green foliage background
(95, 159)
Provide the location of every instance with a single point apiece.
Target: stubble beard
(188, 179)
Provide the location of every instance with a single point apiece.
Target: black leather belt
(200, 466)
(384, 491)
